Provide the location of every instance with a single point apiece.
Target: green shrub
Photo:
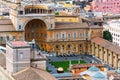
(56, 13)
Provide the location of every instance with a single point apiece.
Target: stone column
(115, 61)
(98, 51)
(93, 49)
(110, 58)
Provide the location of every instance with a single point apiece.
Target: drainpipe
(16, 59)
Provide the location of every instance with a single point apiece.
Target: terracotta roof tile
(96, 26)
(5, 21)
(33, 74)
(6, 25)
(67, 25)
(106, 44)
(18, 44)
(7, 28)
(87, 65)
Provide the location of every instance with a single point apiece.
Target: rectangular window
(80, 34)
(20, 12)
(51, 26)
(68, 36)
(7, 38)
(86, 34)
(75, 36)
(63, 36)
(14, 37)
(1, 38)
(56, 36)
(21, 55)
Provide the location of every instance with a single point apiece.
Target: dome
(99, 76)
(60, 69)
(93, 68)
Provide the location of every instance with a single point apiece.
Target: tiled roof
(96, 26)
(5, 21)
(106, 44)
(93, 68)
(96, 19)
(87, 65)
(63, 75)
(6, 25)
(2, 60)
(99, 75)
(100, 19)
(33, 74)
(74, 25)
(67, 25)
(18, 44)
(7, 28)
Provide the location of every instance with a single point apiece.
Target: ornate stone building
(57, 34)
(105, 51)
(53, 34)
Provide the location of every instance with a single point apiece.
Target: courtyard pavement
(87, 58)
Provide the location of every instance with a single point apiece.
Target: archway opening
(36, 29)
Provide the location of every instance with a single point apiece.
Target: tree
(107, 35)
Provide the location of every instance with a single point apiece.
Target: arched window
(80, 45)
(57, 46)
(20, 27)
(68, 46)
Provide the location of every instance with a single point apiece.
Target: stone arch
(118, 64)
(36, 29)
(69, 47)
(80, 47)
(30, 19)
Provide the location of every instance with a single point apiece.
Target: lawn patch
(65, 64)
